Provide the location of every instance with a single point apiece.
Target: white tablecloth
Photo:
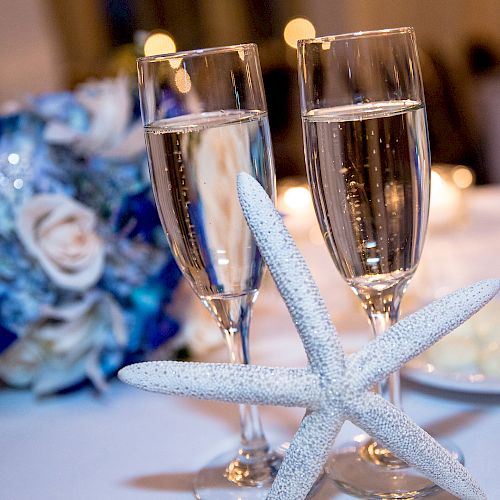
(132, 445)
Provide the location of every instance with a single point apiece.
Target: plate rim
(426, 373)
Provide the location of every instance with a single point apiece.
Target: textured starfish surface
(334, 387)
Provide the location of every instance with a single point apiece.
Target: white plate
(455, 362)
(424, 373)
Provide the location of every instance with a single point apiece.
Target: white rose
(109, 104)
(64, 346)
(59, 233)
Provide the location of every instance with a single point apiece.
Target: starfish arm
(306, 456)
(293, 278)
(233, 383)
(417, 332)
(413, 445)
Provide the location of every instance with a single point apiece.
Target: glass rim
(183, 54)
(357, 34)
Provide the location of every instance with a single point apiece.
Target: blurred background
(48, 45)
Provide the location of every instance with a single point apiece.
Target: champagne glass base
(350, 468)
(212, 481)
(225, 479)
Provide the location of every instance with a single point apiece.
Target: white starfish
(334, 387)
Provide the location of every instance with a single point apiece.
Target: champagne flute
(368, 167)
(205, 120)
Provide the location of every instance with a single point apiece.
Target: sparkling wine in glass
(368, 167)
(205, 120)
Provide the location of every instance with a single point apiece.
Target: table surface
(133, 445)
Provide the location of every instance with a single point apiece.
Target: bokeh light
(158, 43)
(182, 81)
(463, 177)
(297, 198)
(297, 29)
(437, 181)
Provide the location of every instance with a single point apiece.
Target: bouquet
(87, 280)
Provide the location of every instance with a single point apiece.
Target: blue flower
(138, 216)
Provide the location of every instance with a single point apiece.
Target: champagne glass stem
(253, 465)
(252, 435)
(381, 321)
(382, 308)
